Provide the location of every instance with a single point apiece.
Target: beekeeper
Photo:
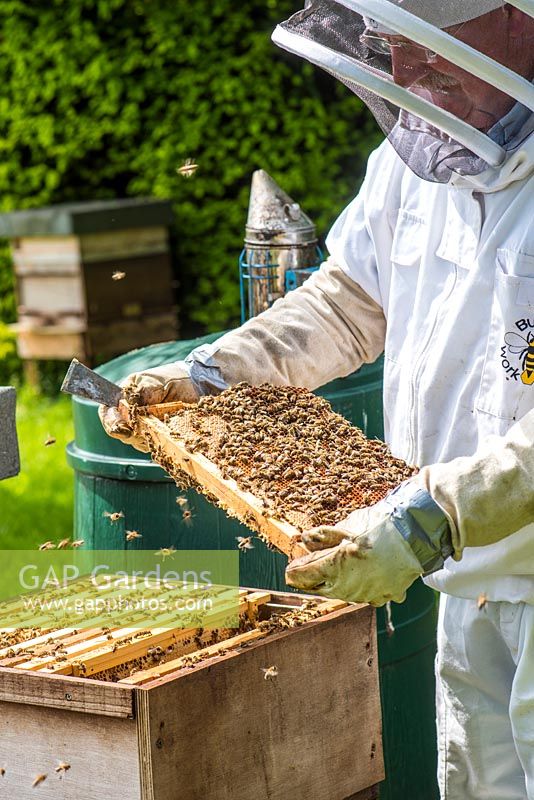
(432, 264)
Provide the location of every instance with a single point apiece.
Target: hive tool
(84, 382)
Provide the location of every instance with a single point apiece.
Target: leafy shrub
(106, 98)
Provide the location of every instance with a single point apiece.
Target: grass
(37, 505)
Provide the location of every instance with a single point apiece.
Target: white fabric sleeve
(488, 495)
(326, 329)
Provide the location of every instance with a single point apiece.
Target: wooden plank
(51, 294)
(101, 751)
(125, 243)
(313, 732)
(45, 254)
(167, 451)
(46, 343)
(63, 637)
(255, 600)
(71, 694)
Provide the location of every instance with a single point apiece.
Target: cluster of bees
(307, 464)
(278, 621)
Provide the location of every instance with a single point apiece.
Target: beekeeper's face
(506, 35)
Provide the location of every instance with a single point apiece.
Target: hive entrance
(281, 447)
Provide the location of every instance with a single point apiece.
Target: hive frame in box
(214, 731)
(171, 453)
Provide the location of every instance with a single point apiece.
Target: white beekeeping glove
(376, 553)
(165, 384)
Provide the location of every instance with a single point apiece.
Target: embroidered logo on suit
(523, 347)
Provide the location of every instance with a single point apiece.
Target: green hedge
(106, 98)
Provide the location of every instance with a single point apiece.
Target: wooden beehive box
(64, 258)
(216, 729)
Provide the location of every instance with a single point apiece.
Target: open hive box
(286, 705)
(276, 457)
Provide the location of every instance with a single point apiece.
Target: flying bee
(47, 546)
(482, 601)
(118, 275)
(244, 542)
(188, 168)
(182, 501)
(62, 768)
(63, 544)
(524, 348)
(39, 779)
(187, 516)
(113, 515)
(269, 672)
(166, 552)
(2, 772)
(78, 543)
(49, 441)
(131, 535)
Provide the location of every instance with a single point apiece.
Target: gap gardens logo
(520, 345)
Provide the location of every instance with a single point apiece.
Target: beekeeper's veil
(353, 40)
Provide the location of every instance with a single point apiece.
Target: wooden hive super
(197, 716)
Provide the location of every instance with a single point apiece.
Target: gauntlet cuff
(205, 374)
(423, 524)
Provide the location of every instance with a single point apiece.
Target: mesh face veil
(421, 83)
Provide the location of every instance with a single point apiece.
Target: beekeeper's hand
(184, 381)
(376, 553)
(166, 384)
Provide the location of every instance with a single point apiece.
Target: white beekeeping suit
(432, 264)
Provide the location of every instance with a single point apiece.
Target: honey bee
(270, 672)
(39, 779)
(182, 501)
(244, 542)
(482, 601)
(131, 535)
(113, 515)
(118, 275)
(78, 543)
(63, 544)
(62, 767)
(187, 516)
(49, 440)
(166, 552)
(188, 168)
(2, 772)
(47, 546)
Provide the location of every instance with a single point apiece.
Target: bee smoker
(281, 248)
